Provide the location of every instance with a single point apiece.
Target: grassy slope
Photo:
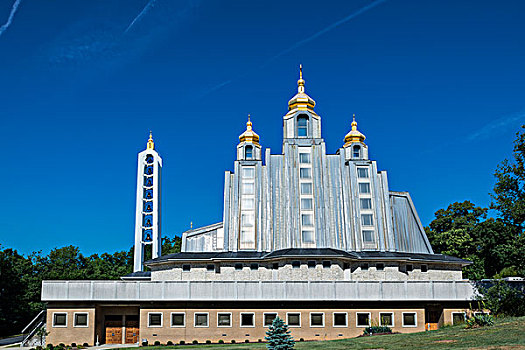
(505, 334)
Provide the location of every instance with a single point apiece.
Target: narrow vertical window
(248, 152)
(302, 125)
(357, 152)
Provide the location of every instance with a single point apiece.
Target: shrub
(259, 340)
(377, 329)
(208, 341)
(195, 342)
(278, 336)
(233, 341)
(144, 343)
(85, 345)
(480, 320)
(73, 345)
(246, 341)
(301, 339)
(182, 342)
(169, 342)
(49, 346)
(502, 299)
(221, 341)
(157, 343)
(62, 345)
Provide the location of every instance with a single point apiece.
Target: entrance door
(432, 316)
(132, 329)
(113, 327)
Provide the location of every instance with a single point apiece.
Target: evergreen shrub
(278, 336)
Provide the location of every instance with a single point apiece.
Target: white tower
(147, 215)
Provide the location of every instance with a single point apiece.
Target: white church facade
(317, 239)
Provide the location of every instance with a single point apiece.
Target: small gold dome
(150, 144)
(249, 135)
(301, 100)
(354, 135)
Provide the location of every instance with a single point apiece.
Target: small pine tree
(278, 336)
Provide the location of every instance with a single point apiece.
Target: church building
(317, 239)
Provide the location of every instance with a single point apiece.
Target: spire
(150, 144)
(301, 100)
(354, 135)
(249, 135)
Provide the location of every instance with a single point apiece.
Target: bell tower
(147, 214)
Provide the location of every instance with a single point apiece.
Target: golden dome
(150, 144)
(354, 135)
(249, 135)
(301, 100)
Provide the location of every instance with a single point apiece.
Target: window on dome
(305, 173)
(306, 203)
(357, 152)
(368, 236)
(366, 220)
(364, 187)
(304, 158)
(366, 203)
(306, 188)
(307, 219)
(362, 172)
(248, 152)
(302, 125)
(248, 173)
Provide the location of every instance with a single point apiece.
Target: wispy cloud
(4, 27)
(505, 122)
(303, 42)
(325, 30)
(145, 10)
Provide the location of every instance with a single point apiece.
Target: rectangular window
(306, 188)
(224, 319)
(363, 319)
(366, 203)
(307, 219)
(247, 220)
(307, 204)
(302, 126)
(366, 220)
(296, 264)
(458, 317)
(275, 266)
(238, 267)
(386, 319)
(305, 173)
(247, 203)
(409, 268)
(308, 236)
(254, 266)
(424, 268)
(364, 266)
(178, 319)
(340, 319)
(154, 319)
(268, 318)
(247, 319)
(60, 319)
(316, 319)
(364, 187)
(380, 267)
(81, 319)
(327, 264)
(311, 264)
(248, 173)
(201, 319)
(210, 267)
(186, 267)
(293, 319)
(368, 236)
(247, 237)
(247, 188)
(304, 158)
(362, 173)
(409, 319)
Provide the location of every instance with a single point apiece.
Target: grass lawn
(507, 333)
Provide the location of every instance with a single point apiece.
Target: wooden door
(132, 331)
(113, 332)
(432, 319)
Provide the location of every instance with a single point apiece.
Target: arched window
(248, 152)
(357, 152)
(302, 125)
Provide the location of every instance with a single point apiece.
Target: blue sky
(438, 88)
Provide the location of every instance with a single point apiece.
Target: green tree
(509, 190)
(278, 336)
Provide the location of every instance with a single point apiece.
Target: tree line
(495, 244)
(21, 276)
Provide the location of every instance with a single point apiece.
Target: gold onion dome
(301, 100)
(150, 144)
(354, 135)
(249, 135)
